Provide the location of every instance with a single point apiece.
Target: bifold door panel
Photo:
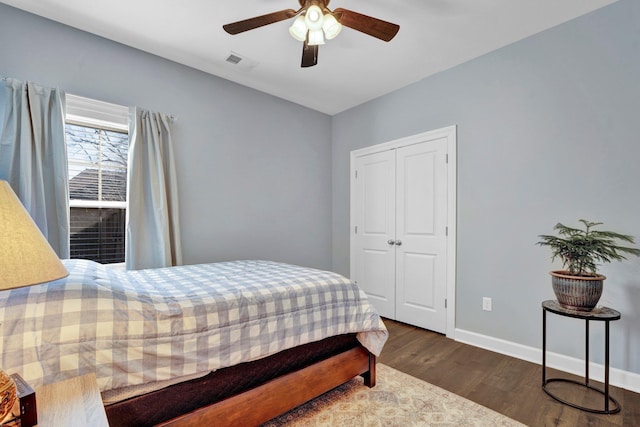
(399, 237)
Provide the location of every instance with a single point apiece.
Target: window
(97, 148)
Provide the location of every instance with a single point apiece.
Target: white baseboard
(617, 377)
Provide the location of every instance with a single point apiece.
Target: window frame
(92, 113)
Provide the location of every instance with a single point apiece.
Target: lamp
(331, 26)
(298, 29)
(313, 18)
(25, 255)
(316, 24)
(25, 259)
(315, 37)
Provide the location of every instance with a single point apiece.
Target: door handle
(391, 242)
(398, 242)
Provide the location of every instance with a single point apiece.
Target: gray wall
(249, 186)
(548, 131)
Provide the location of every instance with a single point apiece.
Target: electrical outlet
(486, 304)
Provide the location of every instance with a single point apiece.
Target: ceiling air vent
(234, 59)
(242, 62)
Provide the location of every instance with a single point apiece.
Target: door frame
(450, 133)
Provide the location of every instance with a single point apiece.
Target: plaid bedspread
(137, 327)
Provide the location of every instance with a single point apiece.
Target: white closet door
(374, 256)
(421, 241)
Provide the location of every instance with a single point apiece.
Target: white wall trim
(617, 377)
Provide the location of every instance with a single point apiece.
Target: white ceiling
(352, 68)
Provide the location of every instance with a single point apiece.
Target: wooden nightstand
(74, 402)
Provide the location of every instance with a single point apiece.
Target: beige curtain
(33, 156)
(153, 235)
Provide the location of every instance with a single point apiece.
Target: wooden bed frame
(254, 392)
(282, 394)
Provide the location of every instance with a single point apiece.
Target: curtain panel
(33, 156)
(153, 235)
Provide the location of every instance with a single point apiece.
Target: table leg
(544, 347)
(606, 366)
(586, 353)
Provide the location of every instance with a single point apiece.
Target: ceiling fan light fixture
(314, 22)
(331, 26)
(316, 37)
(298, 29)
(314, 18)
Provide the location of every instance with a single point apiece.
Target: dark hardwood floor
(505, 384)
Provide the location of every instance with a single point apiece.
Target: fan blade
(375, 27)
(258, 21)
(309, 54)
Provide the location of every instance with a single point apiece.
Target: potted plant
(579, 286)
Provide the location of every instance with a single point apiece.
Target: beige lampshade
(25, 255)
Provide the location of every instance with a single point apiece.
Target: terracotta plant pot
(577, 292)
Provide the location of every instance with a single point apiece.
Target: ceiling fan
(314, 22)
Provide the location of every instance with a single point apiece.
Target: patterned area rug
(397, 400)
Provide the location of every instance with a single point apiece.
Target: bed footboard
(282, 394)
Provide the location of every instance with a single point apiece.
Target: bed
(233, 342)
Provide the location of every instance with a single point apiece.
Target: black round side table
(602, 314)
